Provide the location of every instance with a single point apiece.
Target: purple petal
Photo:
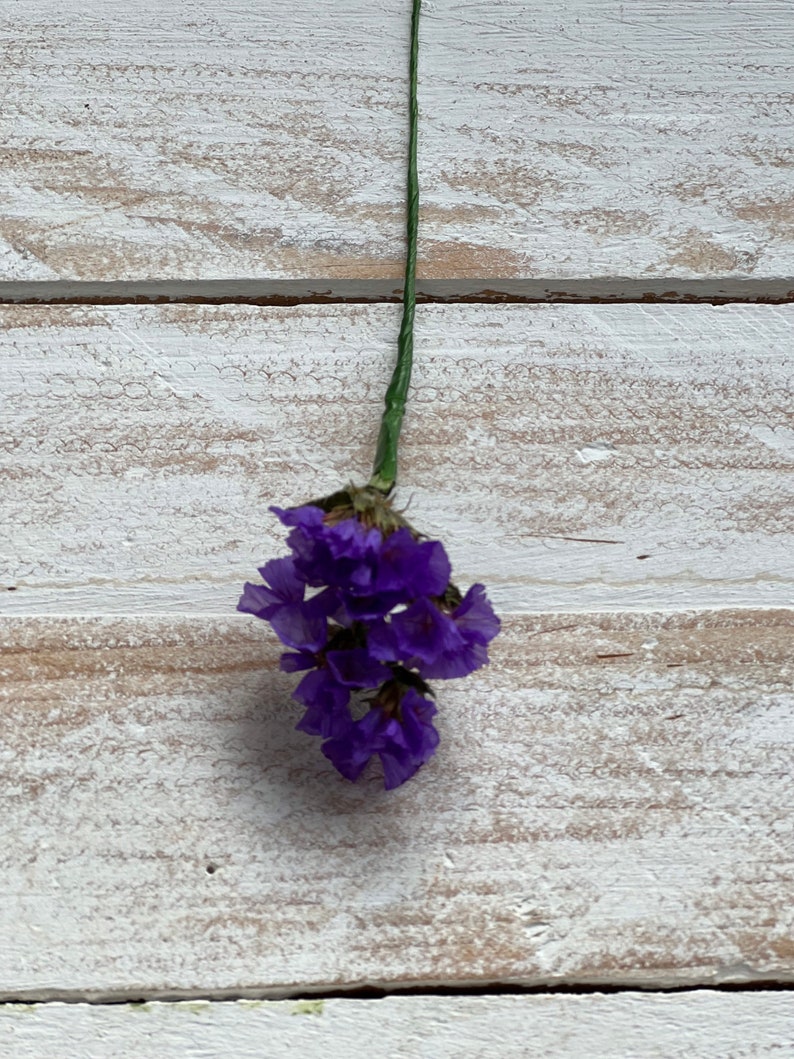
(397, 768)
(325, 604)
(328, 724)
(451, 664)
(349, 539)
(357, 668)
(417, 707)
(326, 702)
(319, 688)
(397, 563)
(281, 575)
(370, 727)
(402, 748)
(410, 568)
(304, 551)
(295, 628)
(438, 569)
(360, 580)
(417, 718)
(402, 756)
(308, 515)
(339, 556)
(382, 642)
(352, 749)
(294, 663)
(347, 757)
(368, 608)
(424, 632)
(258, 600)
(475, 616)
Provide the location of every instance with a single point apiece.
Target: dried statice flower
(367, 607)
(364, 602)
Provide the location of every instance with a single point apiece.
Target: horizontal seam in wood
(484, 290)
(494, 989)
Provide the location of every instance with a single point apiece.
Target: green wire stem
(384, 470)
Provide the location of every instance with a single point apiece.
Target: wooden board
(698, 1025)
(587, 138)
(573, 457)
(611, 803)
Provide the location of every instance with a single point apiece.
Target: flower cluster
(368, 610)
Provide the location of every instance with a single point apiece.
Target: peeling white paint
(596, 452)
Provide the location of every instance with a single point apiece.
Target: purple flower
(325, 691)
(372, 573)
(338, 554)
(475, 617)
(357, 668)
(296, 623)
(475, 622)
(403, 745)
(436, 644)
(411, 568)
(380, 620)
(326, 701)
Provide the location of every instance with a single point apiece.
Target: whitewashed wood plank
(572, 457)
(611, 803)
(585, 138)
(698, 1025)
(604, 138)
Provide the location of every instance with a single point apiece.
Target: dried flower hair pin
(364, 601)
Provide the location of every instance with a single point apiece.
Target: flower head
(367, 606)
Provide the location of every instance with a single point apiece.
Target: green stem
(384, 471)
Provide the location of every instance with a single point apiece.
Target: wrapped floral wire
(364, 602)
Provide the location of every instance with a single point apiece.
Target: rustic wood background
(611, 813)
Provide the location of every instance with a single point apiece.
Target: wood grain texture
(587, 138)
(610, 803)
(572, 457)
(699, 1025)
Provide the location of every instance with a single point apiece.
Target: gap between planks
(483, 290)
(494, 989)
